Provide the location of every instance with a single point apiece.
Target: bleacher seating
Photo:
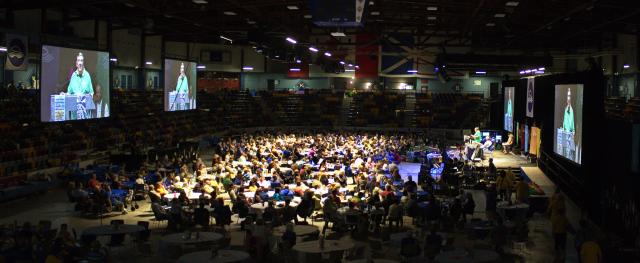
(29, 145)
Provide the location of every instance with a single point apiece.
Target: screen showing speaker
(508, 108)
(179, 85)
(568, 121)
(74, 85)
(635, 149)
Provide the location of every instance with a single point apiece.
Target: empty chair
(117, 239)
(159, 213)
(143, 236)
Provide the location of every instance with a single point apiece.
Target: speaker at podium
(565, 144)
(178, 101)
(72, 107)
(508, 122)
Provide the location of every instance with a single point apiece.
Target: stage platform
(502, 160)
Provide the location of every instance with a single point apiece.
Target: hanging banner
(530, 92)
(16, 52)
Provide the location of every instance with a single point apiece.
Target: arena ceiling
(494, 24)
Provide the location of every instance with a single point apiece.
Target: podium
(178, 101)
(565, 144)
(508, 122)
(72, 107)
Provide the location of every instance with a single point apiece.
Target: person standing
(559, 227)
(590, 252)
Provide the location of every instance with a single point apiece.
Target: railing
(570, 184)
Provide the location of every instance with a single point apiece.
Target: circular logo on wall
(16, 52)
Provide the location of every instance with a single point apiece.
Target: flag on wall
(367, 56)
(530, 92)
(534, 142)
(16, 52)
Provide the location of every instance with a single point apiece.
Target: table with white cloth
(108, 230)
(300, 230)
(373, 260)
(463, 256)
(224, 256)
(512, 211)
(183, 239)
(333, 250)
(191, 196)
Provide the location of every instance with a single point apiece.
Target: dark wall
(585, 180)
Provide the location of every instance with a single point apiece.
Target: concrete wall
(258, 81)
(126, 47)
(468, 84)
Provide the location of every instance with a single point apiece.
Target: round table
(301, 230)
(375, 260)
(518, 210)
(108, 230)
(329, 246)
(191, 196)
(179, 238)
(224, 256)
(462, 256)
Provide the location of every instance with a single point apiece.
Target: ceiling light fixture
(327, 54)
(308, 16)
(626, 66)
(431, 18)
(227, 39)
(491, 24)
(512, 3)
(294, 69)
(292, 7)
(338, 34)
(313, 49)
(412, 71)
(148, 63)
(246, 68)
(201, 66)
(375, 13)
(541, 69)
(111, 59)
(432, 8)
(341, 62)
(500, 15)
(481, 72)
(229, 13)
(291, 40)
(202, 2)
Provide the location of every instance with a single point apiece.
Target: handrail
(570, 184)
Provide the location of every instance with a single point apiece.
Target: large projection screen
(74, 85)
(568, 122)
(508, 108)
(179, 85)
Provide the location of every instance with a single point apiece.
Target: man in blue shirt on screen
(182, 86)
(568, 119)
(80, 82)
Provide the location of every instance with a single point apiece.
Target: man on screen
(509, 104)
(182, 86)
(568, 120)
(181, 92)
(80, 82)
